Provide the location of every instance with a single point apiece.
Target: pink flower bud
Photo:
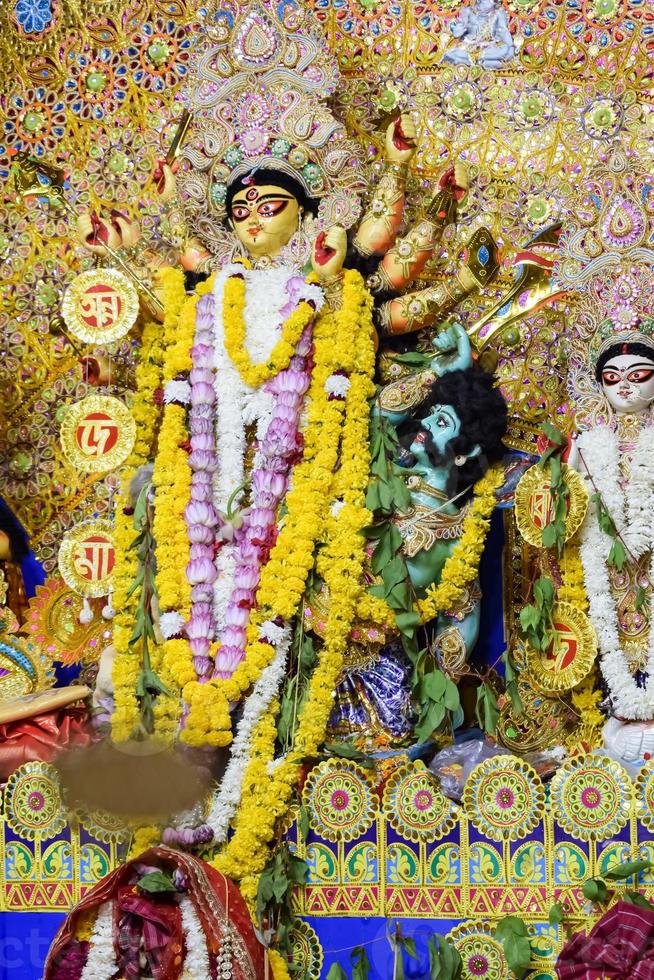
(200, 646)
(202, 355)
(227, 660)
(232, 636)
(200, 534)
(200, 571)
(246, 577)
(201, 593)
(201, 551)
(200, 626)
(202, 394)
(202, 441)
(200, 513)
(201, 427)
(202, 460)
(201, 374)
(235, 616)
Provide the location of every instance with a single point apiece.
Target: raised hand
(329, 251)
(97, 233)
(453, 350)
(401, 139)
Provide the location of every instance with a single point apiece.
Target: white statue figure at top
(612, 383)
(483, 36)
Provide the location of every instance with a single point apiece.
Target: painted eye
(441, 422)
(641, 375)
(610, 377)
(271, 208)
(240, 212)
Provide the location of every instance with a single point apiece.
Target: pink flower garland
(201, 515)
(278, 451)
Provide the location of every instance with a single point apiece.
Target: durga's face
(628, 382)
(264, 219)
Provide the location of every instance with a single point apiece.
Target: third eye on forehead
(252, 196)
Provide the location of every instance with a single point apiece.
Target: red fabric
(620, 947)
(215, 898)
(42, 737)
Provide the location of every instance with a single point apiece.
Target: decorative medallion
(86, 558)
(97, 434)
(644, 790)
(100, 306)
(415, 806)
(482, 954)
(504, 798)
(534, 507)
(32, 801)
(591, 797)
(52, 622)
(24, 668)
(571, 655)
(306, 954)
(340, 800)
(104, 826)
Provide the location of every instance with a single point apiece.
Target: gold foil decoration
(534, 506)
(100, 306)
(87, 557)
(570, 657)
(97, 434)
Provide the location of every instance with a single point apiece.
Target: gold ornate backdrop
(93, 86)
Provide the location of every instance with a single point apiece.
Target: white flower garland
(237, 404)
(228, 797)
(101, 962)
(196, 960)
(633, 515)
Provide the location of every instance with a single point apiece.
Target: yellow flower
(255, 375)
(462, 566)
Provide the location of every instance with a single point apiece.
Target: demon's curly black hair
(618, 348)
(483, 414)
(276, 178)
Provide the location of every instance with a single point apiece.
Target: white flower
(632, 513)
(337, 385)
(272, 632)
(337, 507)
(171, 624)
(101, 962)
(177, 391)
(196, 960)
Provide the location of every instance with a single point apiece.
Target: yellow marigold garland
(255, 375)
(462, 566)
(572, 588)
(278, 965)
(149, 375)
(266, 798)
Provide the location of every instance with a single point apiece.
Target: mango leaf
(635, 898)
(514, 936)
(641, 597)
(617, 556)
(444, 960)
(346, 751)
(408, 622)
(628, 868)
(595, 890)
(155, 882)
(410, 946)
(360, 963)
(487, 709)
(544, 592)
(429, 721)
(549, 535)
(413, 358)
(336, 972)
(511, 681)
(556, 915)
(303, 822)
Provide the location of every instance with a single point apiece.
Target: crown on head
(260, 73)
